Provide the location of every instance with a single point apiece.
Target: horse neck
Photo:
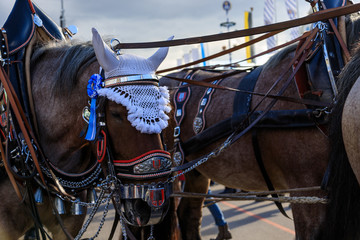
(59, 115)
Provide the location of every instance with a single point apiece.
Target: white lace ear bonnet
(131, 81)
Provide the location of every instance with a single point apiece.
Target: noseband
(153, 164)
(152, 197)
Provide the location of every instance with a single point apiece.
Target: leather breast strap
(181, 97)
(199, 122)
(260, 162)
(242, 100)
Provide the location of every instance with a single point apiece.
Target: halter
(148, 166)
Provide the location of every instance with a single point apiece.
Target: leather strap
(303, 36)
(300, 57)
(199, 122)
(9, 173)
(299, 118)
(204, 83)
(315, 17)
(242, 101)
(20, 116)
(181, 97)
(249, 43)
(115, 223)
(264, 173)
(339, 38)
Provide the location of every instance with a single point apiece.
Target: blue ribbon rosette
(94, 84)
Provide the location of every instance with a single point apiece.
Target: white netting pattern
(147, 105)
(131, 65)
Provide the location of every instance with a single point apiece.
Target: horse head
(133, 117)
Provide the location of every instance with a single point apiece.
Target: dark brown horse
(293, 157)
(128, 147)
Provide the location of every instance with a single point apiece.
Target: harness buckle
(177, 131)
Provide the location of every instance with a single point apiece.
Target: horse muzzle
(144, 205)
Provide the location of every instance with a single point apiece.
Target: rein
(251, 42)
(204, 83)
(300, 57)
(315, 17)
(22, 121)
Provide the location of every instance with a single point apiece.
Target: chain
(72, 184)
(77, 201)
(106, 185)
(322, 28)
(91, 216)
(151, 237)
(123, 230)
(212, 154)
(321, 112)
(232, 197)
(106, 210)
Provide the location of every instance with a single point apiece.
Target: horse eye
(117, 115)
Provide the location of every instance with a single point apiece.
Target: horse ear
(157, 58)
(105, 56)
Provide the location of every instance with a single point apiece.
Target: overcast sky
(155, 20)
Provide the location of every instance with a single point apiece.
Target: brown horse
(293, 157)
(130, 151)
(342, 219)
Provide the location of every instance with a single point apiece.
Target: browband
(119, 80)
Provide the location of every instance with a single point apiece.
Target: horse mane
(75, 58)
(274, 60)
(352, 22)
(342, 219)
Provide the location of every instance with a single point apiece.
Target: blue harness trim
(94, 84)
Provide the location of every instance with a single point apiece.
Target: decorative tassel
(94, 84)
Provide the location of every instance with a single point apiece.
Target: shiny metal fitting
(60, 206)
(77, 208)
(91, 196)
(39, 199)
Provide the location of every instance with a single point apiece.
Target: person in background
(228, 190)
(220, 222)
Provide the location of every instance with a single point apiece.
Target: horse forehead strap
(132, 79)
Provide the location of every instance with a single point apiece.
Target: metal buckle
(113, 47)
(177, 131)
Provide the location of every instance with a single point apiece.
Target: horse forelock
(75, 58)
